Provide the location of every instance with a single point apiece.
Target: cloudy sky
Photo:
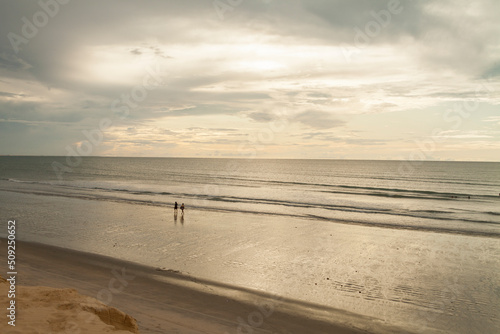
(242, 78)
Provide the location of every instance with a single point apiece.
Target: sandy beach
(49, 310)
(162, 301)
(220, 272)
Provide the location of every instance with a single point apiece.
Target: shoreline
(397, 277)
(87, 194)
(164, 300)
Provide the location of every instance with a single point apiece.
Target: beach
(263, 252)
(219, 285)
(169, 302)
(40, 309)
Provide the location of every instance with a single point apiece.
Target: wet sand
(164, 301)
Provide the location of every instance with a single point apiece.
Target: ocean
(411, 243)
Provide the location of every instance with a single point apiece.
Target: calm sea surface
(453, 197)
(414, 244)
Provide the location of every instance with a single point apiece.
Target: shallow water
(452, 197)
(424, 282)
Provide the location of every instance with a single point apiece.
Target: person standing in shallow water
(175, 207)
(182, 209)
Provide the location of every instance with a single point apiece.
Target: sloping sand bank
(161, 300)
(48, 310)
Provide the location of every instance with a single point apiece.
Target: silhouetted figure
(182, 209)
(175, 208)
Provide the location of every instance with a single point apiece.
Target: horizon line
(244, 158)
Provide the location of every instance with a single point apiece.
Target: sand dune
(47, 310)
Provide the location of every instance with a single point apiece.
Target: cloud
(318, 120)
(12, 95)
(261, 116)
(153, 51)
(264, 61)
(12, 62)
(136, 51)
(492, 119)
(340, 137)
(492, 71)
(469, 135)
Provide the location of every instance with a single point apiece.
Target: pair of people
(182, 208)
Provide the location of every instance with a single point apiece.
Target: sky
(319, 79)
